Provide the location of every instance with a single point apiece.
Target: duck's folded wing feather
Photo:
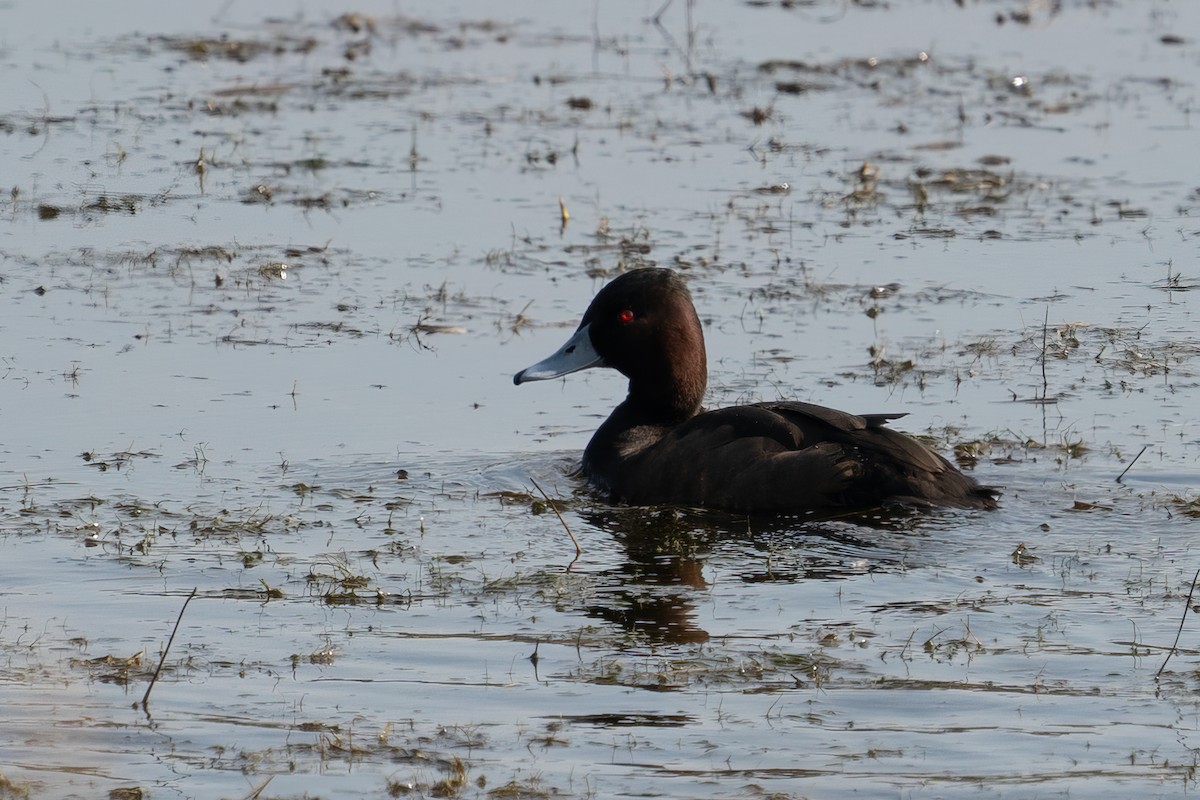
(788, 455)
(866, 431)
(742, 457)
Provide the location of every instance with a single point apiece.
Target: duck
(661, 447)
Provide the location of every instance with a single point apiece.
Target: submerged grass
(10, 790)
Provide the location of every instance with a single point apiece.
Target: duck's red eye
(626, 315)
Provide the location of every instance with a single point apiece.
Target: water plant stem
(167, 649)
(574, 541)
(1179, 632)
(1131, 463)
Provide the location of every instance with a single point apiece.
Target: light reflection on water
(181, 412)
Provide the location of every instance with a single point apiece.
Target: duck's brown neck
(669, 385)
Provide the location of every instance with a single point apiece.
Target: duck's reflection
(655, 593)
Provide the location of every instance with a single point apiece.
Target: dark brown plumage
(659, 446)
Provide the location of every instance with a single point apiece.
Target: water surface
(265, 277)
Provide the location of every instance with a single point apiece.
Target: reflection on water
(649, 593)
(652, 593)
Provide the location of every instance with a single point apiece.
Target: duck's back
(781, 456)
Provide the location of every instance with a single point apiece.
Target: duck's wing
(755, 457)
(894, 466)
(791, 456)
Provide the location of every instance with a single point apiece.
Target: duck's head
(643, 325)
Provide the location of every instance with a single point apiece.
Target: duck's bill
(573, 356)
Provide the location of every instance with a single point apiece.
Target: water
(266, 277)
